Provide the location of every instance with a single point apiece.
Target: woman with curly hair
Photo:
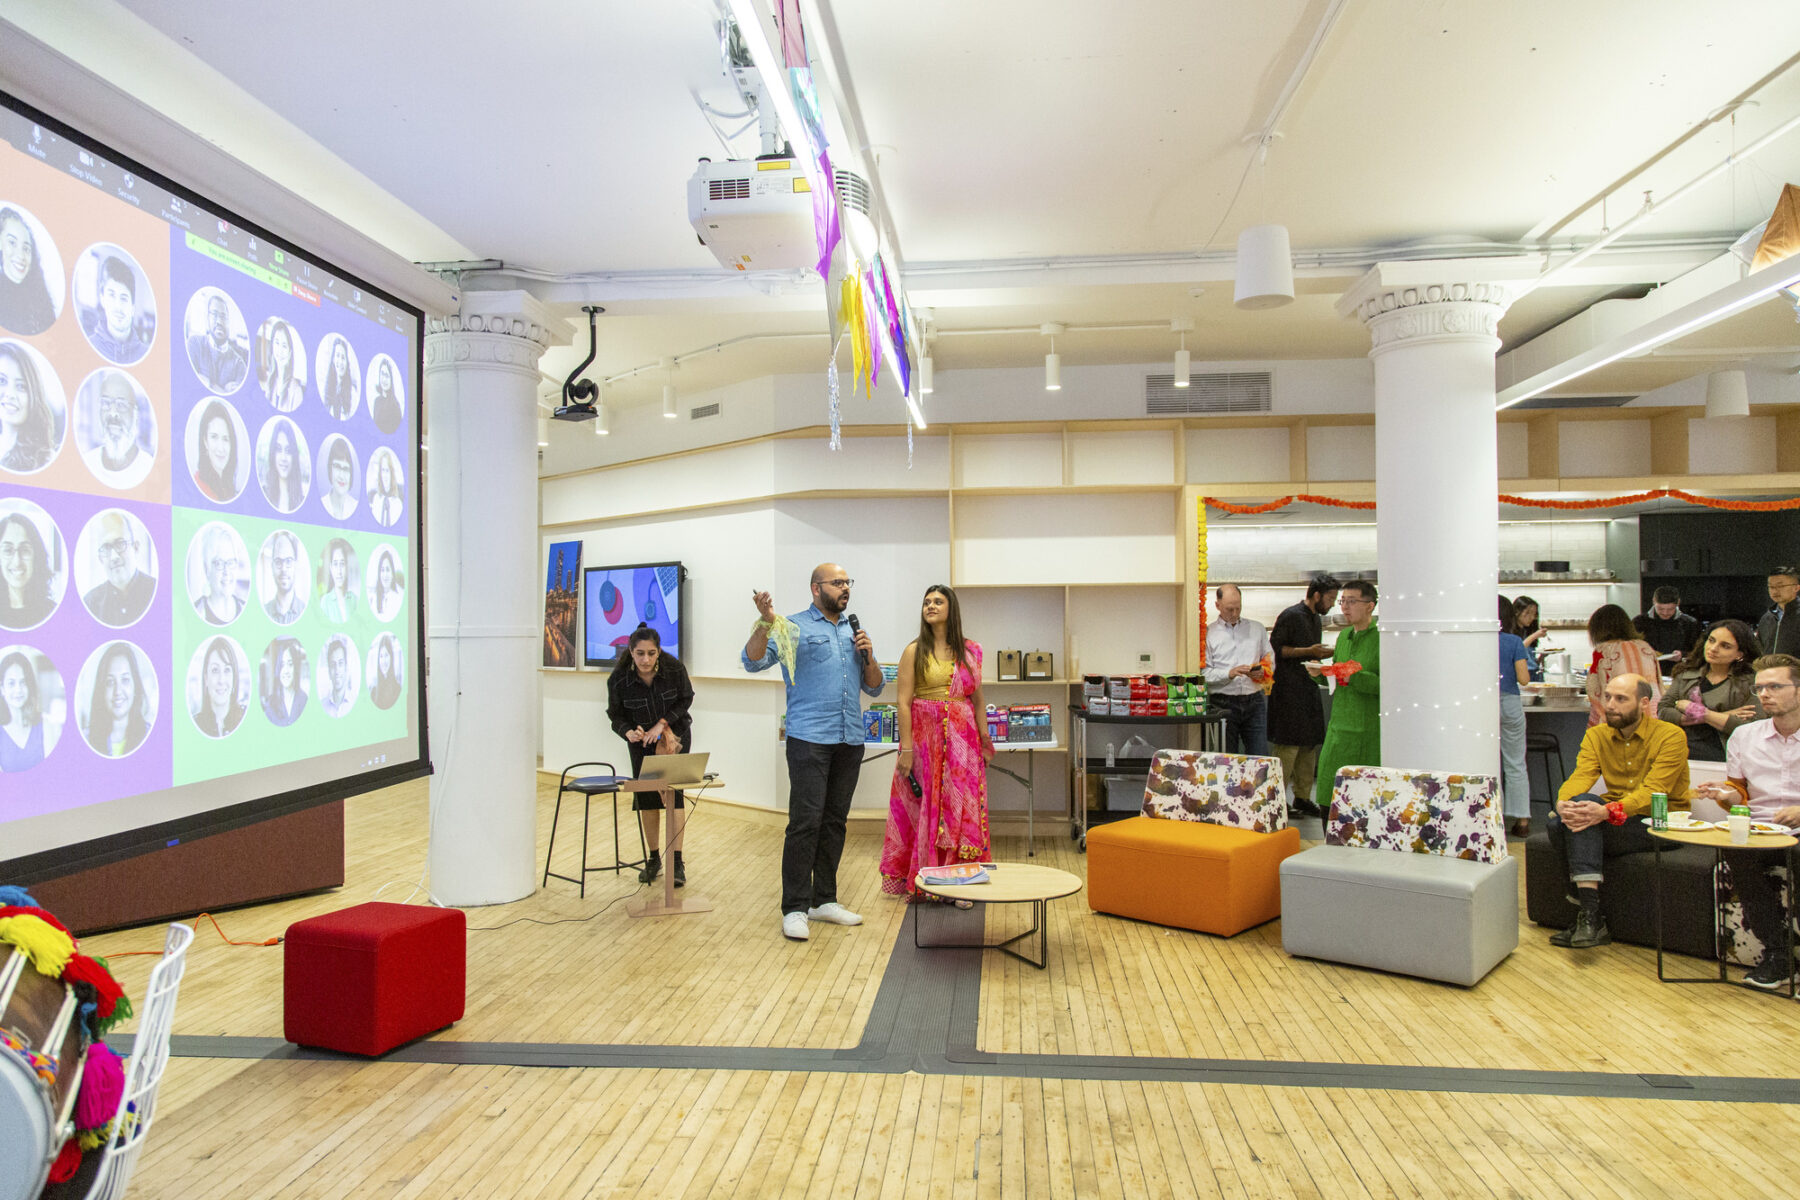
(27, 426)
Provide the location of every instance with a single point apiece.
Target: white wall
(1515, 450)
(1238, 455)
(1590, 448)
(1731, 446)
(1340, 452)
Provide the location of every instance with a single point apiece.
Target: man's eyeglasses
(839, 583)
(1760, 688)
(115, 549)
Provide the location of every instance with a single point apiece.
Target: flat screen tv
(615, 600)
(209, 518)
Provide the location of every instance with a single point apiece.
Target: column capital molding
(1435, 301)
(507, 330)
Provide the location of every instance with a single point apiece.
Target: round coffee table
(1008, 883)
(1720, 841)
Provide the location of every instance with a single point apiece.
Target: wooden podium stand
(670, 904)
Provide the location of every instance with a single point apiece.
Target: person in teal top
(1353, 738)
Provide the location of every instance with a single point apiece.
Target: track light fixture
(1052, 360)
(602, 419)
(669, 388)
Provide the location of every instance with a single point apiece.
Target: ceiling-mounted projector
(754, 215)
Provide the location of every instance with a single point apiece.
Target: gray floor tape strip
(925, 1017)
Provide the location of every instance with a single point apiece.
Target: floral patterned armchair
(1417, 812)
(1221, 789)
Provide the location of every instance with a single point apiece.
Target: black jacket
(633, 704)
(1779, 629)
(1676, 635)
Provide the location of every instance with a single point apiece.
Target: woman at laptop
(937, 807)
(647, 700)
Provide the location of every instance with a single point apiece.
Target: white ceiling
(1011, 137)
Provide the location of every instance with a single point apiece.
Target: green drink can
(1659, 810)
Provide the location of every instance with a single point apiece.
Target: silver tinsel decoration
(909, 429)
(831, 379)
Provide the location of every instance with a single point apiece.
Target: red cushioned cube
(366, 979)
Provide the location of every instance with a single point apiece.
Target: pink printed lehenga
(948, 822)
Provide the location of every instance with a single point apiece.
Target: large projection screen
(210, 600)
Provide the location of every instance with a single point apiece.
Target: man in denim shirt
(824, 742)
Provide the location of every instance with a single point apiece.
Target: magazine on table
(956, 874)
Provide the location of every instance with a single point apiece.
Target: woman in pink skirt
(944, 749)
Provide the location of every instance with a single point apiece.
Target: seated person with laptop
(648, 698)
(1762, 769)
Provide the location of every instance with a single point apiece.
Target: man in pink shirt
(1762, 769)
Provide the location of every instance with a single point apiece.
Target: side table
(1720, 841)
(1008, 883)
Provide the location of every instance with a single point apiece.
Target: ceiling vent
(704, 411)
(1214, 393)
(1574, 402)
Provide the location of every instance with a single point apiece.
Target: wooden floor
(268, 1128)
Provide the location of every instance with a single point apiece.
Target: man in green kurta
(1353, 739)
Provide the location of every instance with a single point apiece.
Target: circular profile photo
(339, 675)
(385, 583)
(282, 569)
(339, 472)
(32, 284)
(283, 465)
(34, 413)
(280, 365)
(384, 672)
(218, 686)
(218, 573)
(217, 340)
(114, 303)
(339, 581)
(34, 564)
(218, 447)
(282, 681)
(387, 399)
(340, 379)
(33, 708)
(116, 699)
(115, 428)
(116, 568)
(383, 483)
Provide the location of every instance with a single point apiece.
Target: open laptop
(674, 768)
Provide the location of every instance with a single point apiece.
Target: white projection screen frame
(211, 607)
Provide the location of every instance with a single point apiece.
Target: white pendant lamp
(925, 375)
(1265, 268)
(1727, 394)
(1052, 360)
(1181, 326)
(669, 388)
(602, 422)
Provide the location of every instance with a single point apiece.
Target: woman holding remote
(937, 807)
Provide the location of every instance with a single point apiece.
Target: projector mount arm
(581, 393)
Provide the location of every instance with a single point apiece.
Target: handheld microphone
(855, 628)
(917, 791)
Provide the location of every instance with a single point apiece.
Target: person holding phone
(937, 805)
(1240, 670)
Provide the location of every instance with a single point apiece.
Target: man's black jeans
(821, 784)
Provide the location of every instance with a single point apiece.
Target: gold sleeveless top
(937, 678)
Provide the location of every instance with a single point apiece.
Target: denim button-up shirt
(822, 701)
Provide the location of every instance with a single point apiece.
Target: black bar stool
(589, 786)
(1548, 747)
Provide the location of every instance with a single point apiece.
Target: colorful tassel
(48, 947)
(16, 897)
(107, 992)
(102, 1087)
(93, 1139)
(68, 1161)
(31, 910)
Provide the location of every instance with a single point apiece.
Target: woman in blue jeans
(1515, 669)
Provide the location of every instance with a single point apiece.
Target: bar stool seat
(587, 787)
(1548, 747)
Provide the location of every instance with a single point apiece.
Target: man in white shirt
(1762, 769)
(1238, 661)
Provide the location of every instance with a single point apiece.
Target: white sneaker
(833, 914)
(793, 927)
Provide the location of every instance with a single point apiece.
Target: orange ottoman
(1189, 874)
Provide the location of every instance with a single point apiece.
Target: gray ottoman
(1415, 914)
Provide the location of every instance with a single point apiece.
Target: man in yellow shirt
(1622, 762)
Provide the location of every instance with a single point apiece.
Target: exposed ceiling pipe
(1652, 208)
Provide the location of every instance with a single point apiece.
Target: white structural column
(1432, 326)
(483, 609)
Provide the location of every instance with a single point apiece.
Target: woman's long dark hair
(209, 480)
(43, 571)
(338, 387)
(39, 308)
(30, 712)
(37, 436)
(276, 389)
(953, 633)
(100, 729)
(1509, 620)
(1749, 648)
(643, 633)
(1610, 623)
(1520, 604)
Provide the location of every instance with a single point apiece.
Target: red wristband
(1615, 813)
